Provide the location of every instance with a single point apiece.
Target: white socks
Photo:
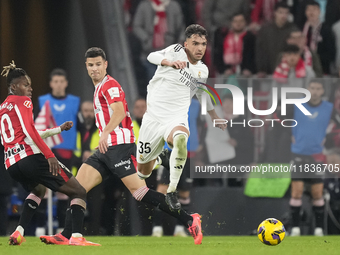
(20, 229)
(178, 158)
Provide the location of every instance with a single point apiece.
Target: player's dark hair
(195, 29)
(291, 48)
(313, 3)
(12, 73)
(281, 4)
(95, 52)
(58, 72)
(318, 81)
(238, 14)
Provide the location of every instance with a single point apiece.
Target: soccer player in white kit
(179, 74)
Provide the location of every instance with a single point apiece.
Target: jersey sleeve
(113, 92)
(156, 57)
(24, 110)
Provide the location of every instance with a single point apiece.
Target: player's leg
(157, 229)
(318, 206)
(87, 178)
(178, 139)
(37, 192)
(295, 205)
(142, 193)
(31, 203)
(149, 146)
(72, 233)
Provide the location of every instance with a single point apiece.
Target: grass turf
(176, 245)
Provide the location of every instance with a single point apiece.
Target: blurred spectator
(5, 192)
(235, 48)
(310, 58)
(189, 11)
(320, 38)
(307, 148)
(336, 31)
(329, 12)
(64, 107)
(333, 187)
(271, 40)
(241, 137)
(157, 24)
(262, 13)
(292, 70)
(218, 13)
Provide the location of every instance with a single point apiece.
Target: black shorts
(185, 182)
(119, 159)
(304, 169)
(34, 170)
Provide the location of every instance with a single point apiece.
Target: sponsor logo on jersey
(28, 104)
(123, 162)
(14, 150)
(127, 167)
(314, 115)
(59, 108)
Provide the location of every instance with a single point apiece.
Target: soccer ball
(271, 231)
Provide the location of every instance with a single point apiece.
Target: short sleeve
(113, 92)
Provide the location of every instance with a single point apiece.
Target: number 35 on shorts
(144, 147)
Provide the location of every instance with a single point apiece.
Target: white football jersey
(170, 90)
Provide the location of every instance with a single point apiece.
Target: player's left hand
(103, 145)
(220, 126)
(66, 125)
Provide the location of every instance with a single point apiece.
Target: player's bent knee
(78, 201)
(140, 193)
(39, 191)
(180, 140)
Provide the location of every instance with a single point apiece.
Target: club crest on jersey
(199, 74)
(28, 104)
(113, 92)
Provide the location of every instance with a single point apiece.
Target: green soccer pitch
(178, 246)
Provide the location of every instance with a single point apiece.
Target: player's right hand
(54, 166)
(178, 64)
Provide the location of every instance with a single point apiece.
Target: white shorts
(152, 137)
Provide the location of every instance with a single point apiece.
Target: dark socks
(78, 214)
(319, 212)
(67, 232)
(29, 209)
(61, 211)
(295, 213)
(157, 217)
(158, 199)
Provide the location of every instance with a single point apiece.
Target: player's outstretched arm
(117, 116)
(158, 58)
(56, 130)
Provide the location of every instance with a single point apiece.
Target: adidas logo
(179, 167)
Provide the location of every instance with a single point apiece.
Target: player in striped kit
(117, 148)
(30, 162)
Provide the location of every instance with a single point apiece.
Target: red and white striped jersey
(107, 92)
(17, 130)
